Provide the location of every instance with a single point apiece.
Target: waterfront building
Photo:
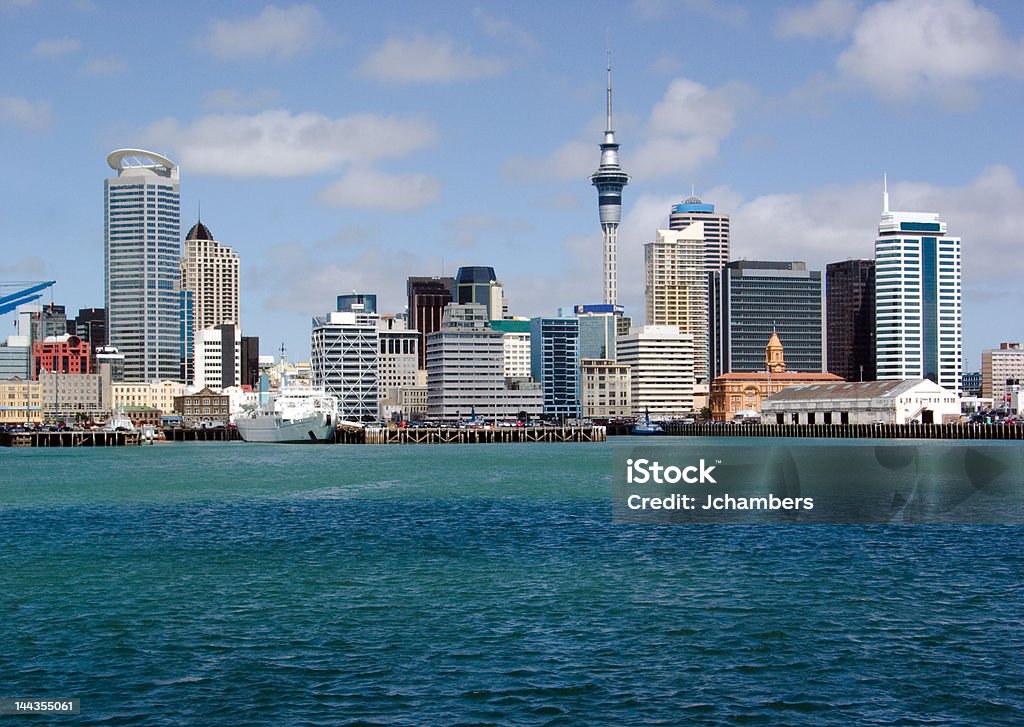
(478, 284)
(850, 319)
(516, 346)
(749, 299)
(736, 394)
(357, 303)
(863, 402)
(918, 311)
(609, 179)
(204, 406)
(65, 354)
(218, 361)
(555, 364)
(344, 361)
(21, 400)
(715, 226)
(676, 288)
(163, 393)
(661, 370)
(1001, 368)
(465, 371)
(16, 358)
(427, 299)
(398, 359)
(76, 396)
(605, 389)
(142, 263)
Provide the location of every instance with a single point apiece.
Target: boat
(118, 422)
(646, 426)
(293, 415)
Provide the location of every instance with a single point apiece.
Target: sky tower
(609, 180)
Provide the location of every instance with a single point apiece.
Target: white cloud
(55, 47)
(505, 30)
(31, 115)
(426, 60)
(103, 67)
(820, 19)
(277, 143)
(278, 32)
(906, 49)
(233, 99)
(370, 188)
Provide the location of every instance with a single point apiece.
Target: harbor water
(232, 583)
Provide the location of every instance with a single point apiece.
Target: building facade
(749, 299)
(142, 263)
(427, 298)
(869, 402)
(21, 401)
(218, 361)
(66, 354)
(344, 358)
(715, 228)
(676, 288)
(76, 396)
(918, 310)
(661, 370)
(605, 389)
(555, 364)
(203, 406)
(516, 346)
(1001, 368)
(478, 284)
(211, 271)
(850, 317)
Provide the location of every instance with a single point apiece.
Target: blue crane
(27, 295)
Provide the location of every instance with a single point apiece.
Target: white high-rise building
(344, 351)
(218, 357)
(676, 288)
(918, 312)
(142, 259)
(661, 373)
(716, 229)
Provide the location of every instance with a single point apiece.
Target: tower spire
(608, 127)
(885, 194)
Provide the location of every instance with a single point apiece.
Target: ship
(292, 416)
(646, 426)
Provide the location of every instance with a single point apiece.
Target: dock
(78, 438)
(452, 435)
(848, 431)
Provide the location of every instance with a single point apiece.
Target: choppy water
(235, 583)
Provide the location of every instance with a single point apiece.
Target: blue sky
(342, 147)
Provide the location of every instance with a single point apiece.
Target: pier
(847, 431)
(84, 438)
(497, 435)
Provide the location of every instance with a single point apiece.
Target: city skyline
(338, 152)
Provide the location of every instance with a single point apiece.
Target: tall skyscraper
(343, 359)
(211, 271)
(427, 299)
(555, 364)
(676, 288)
(609, 180)
(918, 326)
(142, 263)
(661, 370)
(716, 229)
(850, 317)
(751, 299)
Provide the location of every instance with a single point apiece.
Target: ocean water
(224, 584)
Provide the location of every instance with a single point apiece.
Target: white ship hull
(271, 428)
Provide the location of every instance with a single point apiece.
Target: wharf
(497, 435)
(215, 434)
(848, 431)
(82, 438)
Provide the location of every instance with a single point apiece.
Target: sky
(343, 147)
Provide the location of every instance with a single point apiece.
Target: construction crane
(26, 295)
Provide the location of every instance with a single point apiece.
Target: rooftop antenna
(200, 217)
(693, 189)
(885, 194)
(609, 126)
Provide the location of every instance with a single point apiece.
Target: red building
(65, 354)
